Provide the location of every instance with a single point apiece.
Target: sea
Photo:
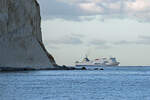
(112, 83)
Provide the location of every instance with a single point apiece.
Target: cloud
(123, 42)
(145, 40)
(138, 5)
(91, 8)
(77, 9)
(104, 44)
(144, 37)
(99, 44)
(52, 9)
(142, 40)
(77, 39)
(72, 39)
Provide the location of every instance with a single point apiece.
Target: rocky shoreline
(10, 69)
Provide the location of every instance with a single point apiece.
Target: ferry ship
(103, 61)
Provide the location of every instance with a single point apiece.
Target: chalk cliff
(20, 36)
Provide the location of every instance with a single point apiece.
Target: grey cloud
(52, 46)
(100, 44)
(66, 40)
(77, 39)
(142, 40)
(104, 44)
(144, 37)
(72, 10)
(52, 9)
(123, 42)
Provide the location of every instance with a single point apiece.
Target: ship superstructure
(103, 61)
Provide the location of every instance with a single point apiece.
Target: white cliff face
(3, 16)
(20, 35)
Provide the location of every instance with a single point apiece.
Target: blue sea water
(112, 83)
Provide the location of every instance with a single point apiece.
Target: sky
(72, 29)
